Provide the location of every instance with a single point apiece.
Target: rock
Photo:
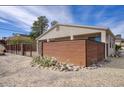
(62, 68)
(99, 65)
(71, 65)
(107, 60)
(76, 68)
(93, 65)
(70, 68)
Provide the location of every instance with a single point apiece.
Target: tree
(54, 23)
(18, 40)
(39, 27)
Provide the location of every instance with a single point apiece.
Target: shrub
(43, 61)
(117, 47)
(19, 39)
(54, 64)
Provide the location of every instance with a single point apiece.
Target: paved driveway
(16, 70)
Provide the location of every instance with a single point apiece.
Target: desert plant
(53, 63)
(35, 61)
(43, 61)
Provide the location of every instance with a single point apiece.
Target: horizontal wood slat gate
(78, 52)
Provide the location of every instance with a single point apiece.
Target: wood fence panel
(22, 49)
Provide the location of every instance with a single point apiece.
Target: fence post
(16, 48)
(22, 49)
(11, 48)
(31, 50)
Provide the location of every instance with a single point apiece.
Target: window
(97, 38)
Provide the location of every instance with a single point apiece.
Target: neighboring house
(3, 42)
(122, 44)
(119, 41)
(63, 32)
(2, 46)
(18, 38)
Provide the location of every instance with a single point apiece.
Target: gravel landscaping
(16, 71)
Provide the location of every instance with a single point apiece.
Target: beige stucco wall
(118, 42)
(68, 31)
(107, 38)
(111, 50)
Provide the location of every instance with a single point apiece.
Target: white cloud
(59, 13)
(118, 28)
(109, 22)
(25, 15)
(3, 21)
(18, 13)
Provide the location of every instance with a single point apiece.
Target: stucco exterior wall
(64, 31)
(111, 45)
(118, 42)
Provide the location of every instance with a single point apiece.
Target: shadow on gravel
(7, 73)
(3, 55)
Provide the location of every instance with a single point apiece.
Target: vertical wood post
(41, 48)
(22, 49)
(11, 48)
(31, 50)
(16, 48)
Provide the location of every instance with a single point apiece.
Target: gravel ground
(16, 71)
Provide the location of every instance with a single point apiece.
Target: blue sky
(20, 18)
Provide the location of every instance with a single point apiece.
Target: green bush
(43, 61)
(19, 40)
(117, 47)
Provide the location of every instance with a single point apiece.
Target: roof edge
(85, 26)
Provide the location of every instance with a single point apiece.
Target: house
(18, 38)
(3, 42)
(119, 41)
(81, 45)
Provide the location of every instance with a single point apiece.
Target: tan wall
(65, 31)
(118, 42)
(111, 50)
